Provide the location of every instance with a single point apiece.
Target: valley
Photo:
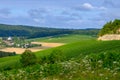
(62, 57)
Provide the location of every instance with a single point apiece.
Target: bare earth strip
(109, 37)
(44, 46)
(48, 44)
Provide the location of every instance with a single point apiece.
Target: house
(9, 38)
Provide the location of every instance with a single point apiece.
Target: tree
(56, 56)
(28, 58)
(111, 27)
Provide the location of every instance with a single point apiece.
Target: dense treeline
(4, 54)
(34, 32)
(112, 27)
(92, 32)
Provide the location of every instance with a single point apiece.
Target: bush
(108, 59)
(5, 54)
(54, 57)
(28, 58)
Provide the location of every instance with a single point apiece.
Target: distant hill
(34, 32)
(110, 31)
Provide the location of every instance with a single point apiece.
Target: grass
(85, 60)
(91, 67)
(72, 50)
(64, 38)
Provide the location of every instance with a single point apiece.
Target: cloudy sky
(77, 14)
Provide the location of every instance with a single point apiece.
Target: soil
(109, 37)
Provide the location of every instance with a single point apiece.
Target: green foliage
(28, 58)
(72, 69)
(109, 59)
(35, 32)
(69, 38)
(5, 54)
(72, 50)
(85, 60)
(111, 27)
(54, 57)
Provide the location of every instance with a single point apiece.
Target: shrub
(108, 59)
(54, 57)
(28, 58)
(5, 54)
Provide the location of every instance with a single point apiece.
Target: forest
(36, 32)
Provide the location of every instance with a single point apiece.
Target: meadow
(84, 60)
(68, 38)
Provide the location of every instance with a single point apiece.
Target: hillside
(110, 31)
(29, 31)
(35, 32)
(67, 38)
(112, 27)
(84, 60)
(71, 50)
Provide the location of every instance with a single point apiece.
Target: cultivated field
(50, 42)
(91, 59)
(69, 38)
(81, 60)
(35, 49)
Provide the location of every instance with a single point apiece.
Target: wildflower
(70, 77)
(108, 69)
(44, 79)
(61, 73)
(111, 71)
(100, 61)
(106, 78)
(55, 79)
(114, 62)
(89, 68)
(83, 72)
(114, 74)
(101, 74)
(93, 72)
(41, 72)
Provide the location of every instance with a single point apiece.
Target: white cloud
(36, 20)
(102, 8)
(87, 6)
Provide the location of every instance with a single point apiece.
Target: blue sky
(75, 14)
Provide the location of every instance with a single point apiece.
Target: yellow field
(35, 49)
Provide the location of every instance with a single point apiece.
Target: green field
(64, 38)
(85, 59)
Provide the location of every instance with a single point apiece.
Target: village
(16, 42)
(20, 44)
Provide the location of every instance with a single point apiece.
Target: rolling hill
(88, 59)
(67, 38)
(82, 59)
(35, 32)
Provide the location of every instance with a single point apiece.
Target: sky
(73, 14)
